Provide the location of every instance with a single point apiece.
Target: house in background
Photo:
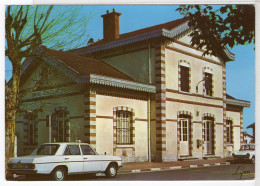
(248, 138)
(143, 95)
(252, 126)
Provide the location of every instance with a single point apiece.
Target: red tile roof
(86, 65)
(168, 26)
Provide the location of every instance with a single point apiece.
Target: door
(184, 137)
(91, 160)
(208, 146)
(73, 159)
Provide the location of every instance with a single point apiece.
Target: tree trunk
(10, 114)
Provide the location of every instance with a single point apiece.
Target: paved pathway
(157, 166)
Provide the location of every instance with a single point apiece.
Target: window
(184, 126)
(87, 150)
(208, 83)
(208, 125)
(229, 131)
(185, 79)
(31, 126)
(58, 126)
(48, 149)
(72, 150)
(123, 127)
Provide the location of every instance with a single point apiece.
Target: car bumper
(241, 157)
(22, 171)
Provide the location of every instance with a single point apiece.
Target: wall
(235, 116)
(134, 64)
(104, 127)
(193, 102)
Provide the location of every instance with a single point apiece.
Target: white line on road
(155, 169)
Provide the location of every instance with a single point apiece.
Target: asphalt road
(225, 172)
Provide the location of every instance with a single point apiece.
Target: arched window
(123, 127)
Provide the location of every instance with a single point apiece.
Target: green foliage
(214, 27)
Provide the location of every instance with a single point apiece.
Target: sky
(240, 73)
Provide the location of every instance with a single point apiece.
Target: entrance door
(184, 136)
(208, 145)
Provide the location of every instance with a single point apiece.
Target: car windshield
(247, 147)
(47, 149)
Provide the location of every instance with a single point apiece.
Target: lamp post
(197, 88)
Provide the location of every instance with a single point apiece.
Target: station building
(143, 95)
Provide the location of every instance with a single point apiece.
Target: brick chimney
(111, 25)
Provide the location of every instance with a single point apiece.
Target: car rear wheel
(59, 174)
(111, 171)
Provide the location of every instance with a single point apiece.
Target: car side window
(86, 150)
(72, 150)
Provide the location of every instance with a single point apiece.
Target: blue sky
(240, 73)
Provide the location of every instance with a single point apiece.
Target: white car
(62, 159)
(246, 152)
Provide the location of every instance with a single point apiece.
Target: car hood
(244, 152)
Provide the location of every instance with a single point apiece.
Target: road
(225, 172)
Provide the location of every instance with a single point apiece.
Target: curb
(172, 168)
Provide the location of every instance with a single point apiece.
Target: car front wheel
(59, 174)
(111, 171)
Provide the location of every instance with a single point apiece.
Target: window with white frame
(59, 126)
(184, 128)
(123, 127)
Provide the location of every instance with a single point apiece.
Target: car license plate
(20, 166)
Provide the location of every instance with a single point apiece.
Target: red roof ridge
(168, 25)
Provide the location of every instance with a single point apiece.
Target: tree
(27, 27)
(213, 28)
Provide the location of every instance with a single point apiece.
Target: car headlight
(10, 165)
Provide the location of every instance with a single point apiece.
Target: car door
(91, 160)
(73, 159)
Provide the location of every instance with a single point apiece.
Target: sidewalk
(134, 167)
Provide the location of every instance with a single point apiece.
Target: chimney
(111, 25)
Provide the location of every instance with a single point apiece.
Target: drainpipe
(50, 124)
(149, 105)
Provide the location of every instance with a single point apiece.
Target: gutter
(240, 103)
(115, 82)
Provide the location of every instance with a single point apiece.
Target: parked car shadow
(239, 162)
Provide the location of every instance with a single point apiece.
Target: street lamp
(197, 88)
